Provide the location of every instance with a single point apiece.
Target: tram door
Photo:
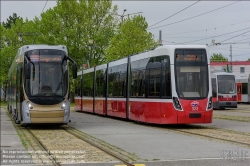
(239, 92)
(19, 94)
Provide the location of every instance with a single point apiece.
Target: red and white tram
(168, 85)
(243, 89)
(224, 90)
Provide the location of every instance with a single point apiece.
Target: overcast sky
(186, 22)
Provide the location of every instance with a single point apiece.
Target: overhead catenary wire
(214, 48)
(174, 14)
(212, 37)
(242, 48)
(200, 30)
(235, 36)
(196, 15)
(241, 40)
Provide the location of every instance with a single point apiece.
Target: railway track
(223, 135)
(52, 145)
(44, 149)
(101, 145)
(61, 154)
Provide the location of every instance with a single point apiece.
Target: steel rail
(212, 137)
(97, 146)
(52, 158)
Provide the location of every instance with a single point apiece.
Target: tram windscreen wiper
(58, 87)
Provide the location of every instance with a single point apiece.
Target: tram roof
(222, 73)
(41, 46)
(181, 46)
(242, 79)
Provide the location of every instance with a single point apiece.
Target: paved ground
(12, 150)
(154, 147)
(157, 146)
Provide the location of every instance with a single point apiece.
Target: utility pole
(231, 57)
(160, 41)
(122, 16)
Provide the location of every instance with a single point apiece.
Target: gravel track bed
(222, 135)
(67, 148)
(230, 117)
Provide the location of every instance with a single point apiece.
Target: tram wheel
(17, 121)
(16, 117)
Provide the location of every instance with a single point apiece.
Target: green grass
(72, 104)
(3, 104)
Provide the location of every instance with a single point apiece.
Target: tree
(73, 23)
(11, 20)
(131, 38)
(10, 43)
(7, 56)
(248, 59)
(218, 58)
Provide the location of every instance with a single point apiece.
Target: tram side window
(15, 86)
(100, 84)
(7, 90)
(154, 82)
(244, 88)
(88, 85)
(214, 87)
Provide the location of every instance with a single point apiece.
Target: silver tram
(38, 85)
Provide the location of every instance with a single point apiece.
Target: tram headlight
(29, 106)
(63, 106)
(210, 104)
(177, 104)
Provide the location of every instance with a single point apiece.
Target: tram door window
(214, 87)
(137, 78)
(134, 83)
(78, 86)
(154, 82)
(117, 81)
(158, 77)
(244, 88)
(166, 78)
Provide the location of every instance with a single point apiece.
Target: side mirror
(74, 72)
(27, 70)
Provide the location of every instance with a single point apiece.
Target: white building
(240, 68)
